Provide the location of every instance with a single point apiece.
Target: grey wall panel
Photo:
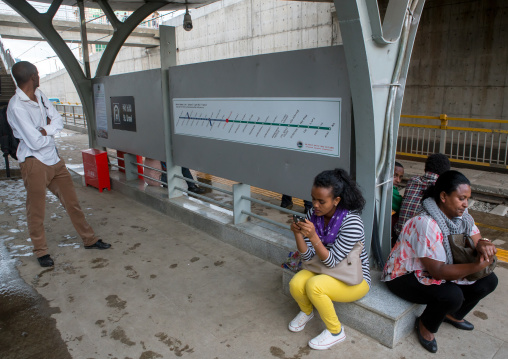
(306, 73)
(146, 88)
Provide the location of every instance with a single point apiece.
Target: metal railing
(469, 145)
(132, 168)
(71, 114)
(6, 57)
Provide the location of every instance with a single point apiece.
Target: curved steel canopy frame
(43, 23)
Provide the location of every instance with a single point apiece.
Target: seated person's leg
(440, 299)
(474, 293)
(192, 187)
(323, 290)
(297, 290)
(286, 201)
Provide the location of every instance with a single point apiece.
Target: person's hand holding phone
(295, 228)
(307, 228)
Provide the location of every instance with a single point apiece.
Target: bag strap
(469, 241)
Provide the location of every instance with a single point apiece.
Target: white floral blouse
(420, 238)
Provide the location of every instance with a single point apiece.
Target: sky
(37, 52)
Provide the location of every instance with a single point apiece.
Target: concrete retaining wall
(460, 61)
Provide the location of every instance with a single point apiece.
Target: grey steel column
(84, 39)
(168, 59)
(375, 55)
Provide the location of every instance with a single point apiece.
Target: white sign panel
(101, 119)
(300, 124)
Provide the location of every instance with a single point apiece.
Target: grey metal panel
(146, 87)
(305, 73)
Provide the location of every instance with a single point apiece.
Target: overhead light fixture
(187, 21)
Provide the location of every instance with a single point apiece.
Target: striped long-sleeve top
(350, 232)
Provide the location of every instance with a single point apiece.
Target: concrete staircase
(7, 88)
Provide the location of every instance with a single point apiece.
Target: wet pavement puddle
(27, 329)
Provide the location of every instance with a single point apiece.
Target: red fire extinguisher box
(95, 164)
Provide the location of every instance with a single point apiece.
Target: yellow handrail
(444, 117)
(444, 123)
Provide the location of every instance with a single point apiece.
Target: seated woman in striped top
(333, 226)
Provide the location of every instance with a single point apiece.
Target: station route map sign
(101, 117)
(302, 124)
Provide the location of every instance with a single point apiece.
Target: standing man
(35, 121)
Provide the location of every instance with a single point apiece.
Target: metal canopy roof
(132, 5)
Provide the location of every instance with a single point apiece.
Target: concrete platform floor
(166, 290)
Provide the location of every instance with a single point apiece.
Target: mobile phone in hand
(297, 219)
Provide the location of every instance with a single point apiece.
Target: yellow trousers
(320, 291)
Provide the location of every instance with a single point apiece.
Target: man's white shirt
(26, 117)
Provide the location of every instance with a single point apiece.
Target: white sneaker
(299, 322)
(326, 339)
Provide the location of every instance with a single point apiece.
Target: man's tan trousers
(37, 177)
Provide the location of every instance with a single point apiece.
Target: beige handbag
(349, 270)
(464, 251)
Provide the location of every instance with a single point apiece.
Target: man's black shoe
(46, 261)
(196, 189)
(99, 245)
(287, 205)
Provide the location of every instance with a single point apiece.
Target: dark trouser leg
(286, 200)
(62, 186)
(441, 299)
(187, 174)
(164, 176)
(307, 205)
(395, 219)
(474, 293)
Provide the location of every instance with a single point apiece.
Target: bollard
(131, 169)
(239, 204)
(442, 133)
